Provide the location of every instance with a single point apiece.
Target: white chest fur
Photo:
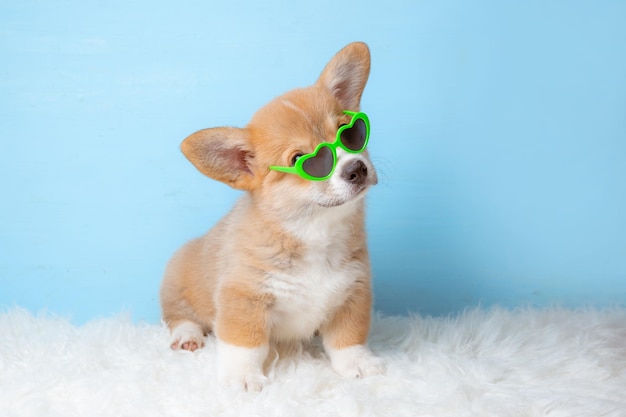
(305, 300)
(307, 296)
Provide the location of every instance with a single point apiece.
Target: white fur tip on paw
(250, 382)
(356, 362)
(241, 367)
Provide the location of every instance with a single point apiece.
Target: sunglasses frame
(297, 168)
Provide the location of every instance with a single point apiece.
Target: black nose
(355, 172)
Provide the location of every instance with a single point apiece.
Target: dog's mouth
(354, 193)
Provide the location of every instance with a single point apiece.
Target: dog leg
(243, 340)
(345, 336)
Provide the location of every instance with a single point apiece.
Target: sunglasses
(320, 164)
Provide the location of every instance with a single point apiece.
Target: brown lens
(353, 137)
(321, 164)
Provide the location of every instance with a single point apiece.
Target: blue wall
(499, 128)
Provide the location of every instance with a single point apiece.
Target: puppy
(290, 260)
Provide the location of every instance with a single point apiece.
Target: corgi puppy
(290, 260)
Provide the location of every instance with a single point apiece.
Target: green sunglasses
(320, 164)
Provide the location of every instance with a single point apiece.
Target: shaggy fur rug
(502, 363)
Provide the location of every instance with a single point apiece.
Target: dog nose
(355, 172)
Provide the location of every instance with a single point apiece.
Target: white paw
(249, 382)
(187, 336)
(356, 362)
(241, 367)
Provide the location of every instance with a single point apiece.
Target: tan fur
(232, 280)
(350, 324)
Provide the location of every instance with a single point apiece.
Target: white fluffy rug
(501, 363)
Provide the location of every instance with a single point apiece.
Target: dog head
(288, 127)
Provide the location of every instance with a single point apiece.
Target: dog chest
(308, 296)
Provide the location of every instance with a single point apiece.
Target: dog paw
(190, 345)
(187, 336)
(241, 367)
(249, 382)
(356, 362)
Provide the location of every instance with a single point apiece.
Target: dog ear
(346, 74)
(222, 153)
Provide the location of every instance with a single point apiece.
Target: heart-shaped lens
(321, 164)
(353, 137)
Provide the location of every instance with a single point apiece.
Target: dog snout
(355, 172)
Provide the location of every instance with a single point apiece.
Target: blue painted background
(499, 128)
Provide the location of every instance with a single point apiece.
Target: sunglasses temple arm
(284, 169)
